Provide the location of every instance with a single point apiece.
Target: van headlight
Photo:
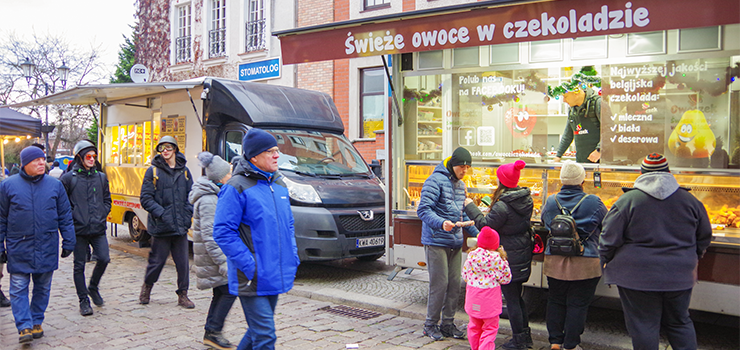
(302, 193)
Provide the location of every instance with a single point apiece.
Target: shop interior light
(5, 141)
(17, 139)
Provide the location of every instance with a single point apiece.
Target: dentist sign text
(260, 70)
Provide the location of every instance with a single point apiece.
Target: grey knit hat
(572, 173)
(216, 167)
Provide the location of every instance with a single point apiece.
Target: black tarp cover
(14, 123)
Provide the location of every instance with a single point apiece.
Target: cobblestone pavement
(302, 321)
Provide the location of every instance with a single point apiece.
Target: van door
(230, 144)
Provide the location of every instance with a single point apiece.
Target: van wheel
(136, 229)
(370, 257)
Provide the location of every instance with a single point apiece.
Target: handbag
(538, 247)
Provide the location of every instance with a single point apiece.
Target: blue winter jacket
(588, 216)
(254, 228)
(33, 210)
(442, 198)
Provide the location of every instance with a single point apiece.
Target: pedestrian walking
(34, 210)
(485, 270)
(56, 171)
(653, 238)
(254, 228)
(572, 279)
(89, 194)
(164, 194)
(442, 218)
(510, 216)
(210, 262)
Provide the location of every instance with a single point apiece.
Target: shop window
(183, 30)
(699, 39)
(255, 26)
(422, 111)
(646, 43)
(376, 4)
(430, 59)
(217, 34)
(546, 51)
(112, 139)
(373, 103)
(147, 144)
(590, 47)
(504, 53)
(466, 57)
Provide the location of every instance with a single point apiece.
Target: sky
(81, 23)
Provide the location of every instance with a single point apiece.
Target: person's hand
(448, 225)
(556, 159)
(3, 258)
(468, 201)
(66, 253)
(223, 270)
(594, 156)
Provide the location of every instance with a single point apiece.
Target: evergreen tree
(126, 60)
(92, 132)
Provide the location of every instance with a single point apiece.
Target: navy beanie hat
(257, 141)
(29, 154)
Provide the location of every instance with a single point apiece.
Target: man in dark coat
(650, 246)
(441, 214)
(164, 194)
(34, 210)
(89, 194)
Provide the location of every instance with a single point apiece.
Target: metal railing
(182, 49)
(217, 43)
(255, 36)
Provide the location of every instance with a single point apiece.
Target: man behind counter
(584, 115)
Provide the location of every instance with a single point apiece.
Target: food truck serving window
(129, 144)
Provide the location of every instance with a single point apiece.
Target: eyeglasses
(91, 156)
(167, 148)
(272, 152)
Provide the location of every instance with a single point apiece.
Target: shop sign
(508, 24)
(260, 70)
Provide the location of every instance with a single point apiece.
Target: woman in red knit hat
(510, 215)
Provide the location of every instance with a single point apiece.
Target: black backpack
(564, 238)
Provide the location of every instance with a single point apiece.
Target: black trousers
(645, 312)
(567, 307)
(518, 318)
(161, 249)
(99, 244)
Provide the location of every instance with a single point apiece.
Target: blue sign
(260, 70)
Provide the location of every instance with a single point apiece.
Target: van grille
(354, 223)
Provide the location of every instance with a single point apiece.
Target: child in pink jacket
(485, 270)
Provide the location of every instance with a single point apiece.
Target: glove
(66, 253)
(3, 258)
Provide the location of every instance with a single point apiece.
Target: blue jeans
(26, 316)
(219, 309)
(260, 314)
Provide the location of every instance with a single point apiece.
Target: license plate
(370, 241)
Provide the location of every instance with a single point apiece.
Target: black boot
(517, 342)
(528, 337)
(95, 296)
(4, 302)
(85, 309)
(216, 340)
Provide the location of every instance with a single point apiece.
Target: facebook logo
(466, 136)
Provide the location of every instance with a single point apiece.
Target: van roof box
(270, 106)
(255, 104)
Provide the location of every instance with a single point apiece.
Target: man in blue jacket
(254, 228)
(33, 210)
(441, 213)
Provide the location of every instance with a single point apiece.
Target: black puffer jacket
(89, 195)
(510, 216)
(170, 212)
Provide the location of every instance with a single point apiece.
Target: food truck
(477, 75)
(337, 201)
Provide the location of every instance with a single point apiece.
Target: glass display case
(719, 191)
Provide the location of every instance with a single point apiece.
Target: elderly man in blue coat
(34, 209)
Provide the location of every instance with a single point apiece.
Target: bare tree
(47, 54)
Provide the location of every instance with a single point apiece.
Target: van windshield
(316, 153)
